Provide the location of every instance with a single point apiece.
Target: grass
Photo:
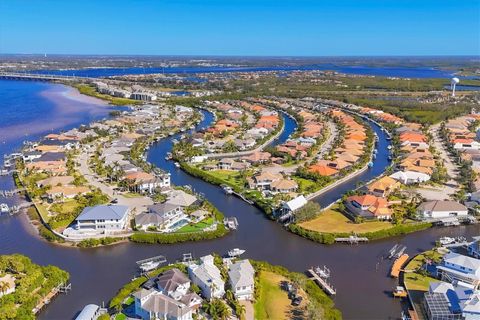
(196, 227)
(416, 281)
(43, 212)
(120, 316)
(333, 221)
(90, 91)
(65, 207)
(272, 301)
(230, 177)
(306, 185)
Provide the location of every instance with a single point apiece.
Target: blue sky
(241, 27)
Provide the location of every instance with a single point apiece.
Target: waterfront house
(474, 247)
(288, 208)
(284, 186)
(263, 180)
(151, 305)
(451, 301)
(369, 206)
(323, 170)
(207, 277)
(410, 177)
(458, 267)
(182, 198)
(100, 219)
(31, 155)
(65, 192)
(8, 284)
(55, 181)
(242, 279)
(439, 209)
(161, 216)
(225, 164)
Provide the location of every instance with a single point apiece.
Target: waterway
(402, 72)
(96, 274)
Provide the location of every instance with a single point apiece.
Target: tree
(309, 211)
(4, 287)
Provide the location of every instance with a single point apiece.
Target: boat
(227, 189)
(400, 251)
(392, 251)
(175, 141)
(375, 151)
(446, 240)
(149, 266)
(177, 164)
(370, 164)
(169, 156)
(390, 158)
(400, 292)
(4, 208)
(235, 252)
(389, 147)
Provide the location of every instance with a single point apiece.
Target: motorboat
(235, 252)
(227, 189)
(4, 208)
(446, 240)
(149, 266)
(177, 164)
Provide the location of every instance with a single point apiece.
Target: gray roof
(106, 212)
(51, 156)
(171, 279)
(88, 312)
(149, 218)
(461, 260)
(241, 274)
(162, 208)
(439, 205)
(162, 304)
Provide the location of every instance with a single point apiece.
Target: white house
(161, 216)
(293, 205)
(466, 144)
(439, 209)
(242, 279)
(410, 177)
(100, 219)
(457, 267)
(207, 277)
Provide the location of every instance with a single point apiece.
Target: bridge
(41, 77)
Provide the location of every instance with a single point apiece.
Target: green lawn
(65, 207)
(272, 302)
(416, 281)
(43, 212)
(196, 227)
(120, 316)
(305, 185)
(333, 221)
(230, 177)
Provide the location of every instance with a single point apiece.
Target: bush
(89, 243)
(168, 238)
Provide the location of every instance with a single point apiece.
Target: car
(297, 301)
(114, 201)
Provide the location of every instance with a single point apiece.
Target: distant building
(439, 209)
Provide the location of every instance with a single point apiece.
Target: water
(402, 72)
(96, 274)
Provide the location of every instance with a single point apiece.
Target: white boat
(177, 164)
(149, 266)
(227, 189)
(389, 147)
(235, 252)
(446, 240)
(4, 208)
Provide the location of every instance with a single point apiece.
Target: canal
(96, 274)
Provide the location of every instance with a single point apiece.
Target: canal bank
(97, 273)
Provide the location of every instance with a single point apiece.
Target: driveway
(137, 204)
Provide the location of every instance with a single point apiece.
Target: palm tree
(4, 286)
(240, 310)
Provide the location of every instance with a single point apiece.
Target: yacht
(235, 252)
(4, 208)
(177, 164)
(446, 240)
(227, 189)
(149, 266)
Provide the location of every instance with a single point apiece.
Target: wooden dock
(62, 288)
(328, 288)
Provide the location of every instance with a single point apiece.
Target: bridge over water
(42, 77)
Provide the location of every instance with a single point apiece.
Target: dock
(231, 223)
(352, 240)
(398, 265)
(241, 196)
(61, 288)
(322, 282)
(159, 259)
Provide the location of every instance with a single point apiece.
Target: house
(323, 170)
(175, 284)
(451, 301)
(181, 198)
(369, 206)
(161, 216)
(103, 218)
(207, 277)
(293, 205)
(263, 180)
(31, 155)
(439, 209)
(383, 186)
(9, 282)
(55, 181)
(145, 182)
(458, 267)
(466, 144)
(242, 279)
(225, 164)
(258, 157)
(152, 304)
(410, 177)
(65, 192)
(284, 186)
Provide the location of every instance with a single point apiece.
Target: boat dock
(241, 196)
(321, 281)
(10, 193)
(352, 240)
(231, 223)
(159, 259)
(61, 288)
(398, 265)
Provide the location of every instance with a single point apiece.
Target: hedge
(329, 238)
(169, 238)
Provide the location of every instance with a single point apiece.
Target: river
(96, 274)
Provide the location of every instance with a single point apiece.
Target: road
(137, 204)
(452, 168)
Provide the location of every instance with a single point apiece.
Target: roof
(88, 312)
(171, 279)
(284, 184)
(181, 198)
(162, 208)
(296, 203)
(461, 260)
(159, 303)
(207, 272)
(384, 183)
(106, 212)
(241, 274)
(441, 206)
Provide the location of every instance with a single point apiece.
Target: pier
(61, 288)
(321, 280)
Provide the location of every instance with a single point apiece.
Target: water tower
(453, 84)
